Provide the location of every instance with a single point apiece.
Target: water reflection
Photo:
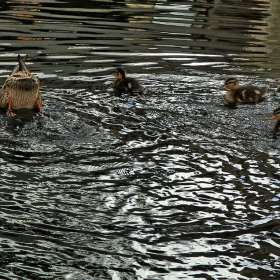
(238, 36)
(169, 185)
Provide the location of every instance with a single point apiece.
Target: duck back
(129, 85)
(21, 88)
(249, 94)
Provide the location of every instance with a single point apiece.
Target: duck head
(231, 84)
(120, 73)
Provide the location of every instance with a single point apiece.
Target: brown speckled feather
(249, 94)
(240, 94)
(276, 117)
(129, 85)
(21, 87)
(124, 84)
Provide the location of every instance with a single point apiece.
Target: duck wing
(250, 94)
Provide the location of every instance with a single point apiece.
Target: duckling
(243, 94)
(20, 90)
(276, 116)
(124, 84)
(278, 87)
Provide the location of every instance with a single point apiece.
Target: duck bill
(223, 88)
(272, 118)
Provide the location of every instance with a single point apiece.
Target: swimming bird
(243, 94)
(124, 84)
(276, 117)
(20, 90)
(278, 87)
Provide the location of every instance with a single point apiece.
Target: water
(173, 184)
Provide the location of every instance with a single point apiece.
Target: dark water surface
(170, 185)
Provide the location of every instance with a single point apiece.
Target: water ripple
(170, 184)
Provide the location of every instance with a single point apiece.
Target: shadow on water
(173, 184)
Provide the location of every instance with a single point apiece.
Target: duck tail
(21, 65)
(21, 62)
(263, 92)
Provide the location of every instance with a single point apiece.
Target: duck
(20, 90)
(243, 94)
(278, 87)
(276, 117)
(124, 84)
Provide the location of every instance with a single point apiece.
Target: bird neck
(229, 96)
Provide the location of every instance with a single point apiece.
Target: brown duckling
(20, 90)
(124, 84)
(276, 117)
(278, 87)
(243, 94)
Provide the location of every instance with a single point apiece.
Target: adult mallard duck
(20, 90)
(124, 84)
(276, 117)
(243, 94)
